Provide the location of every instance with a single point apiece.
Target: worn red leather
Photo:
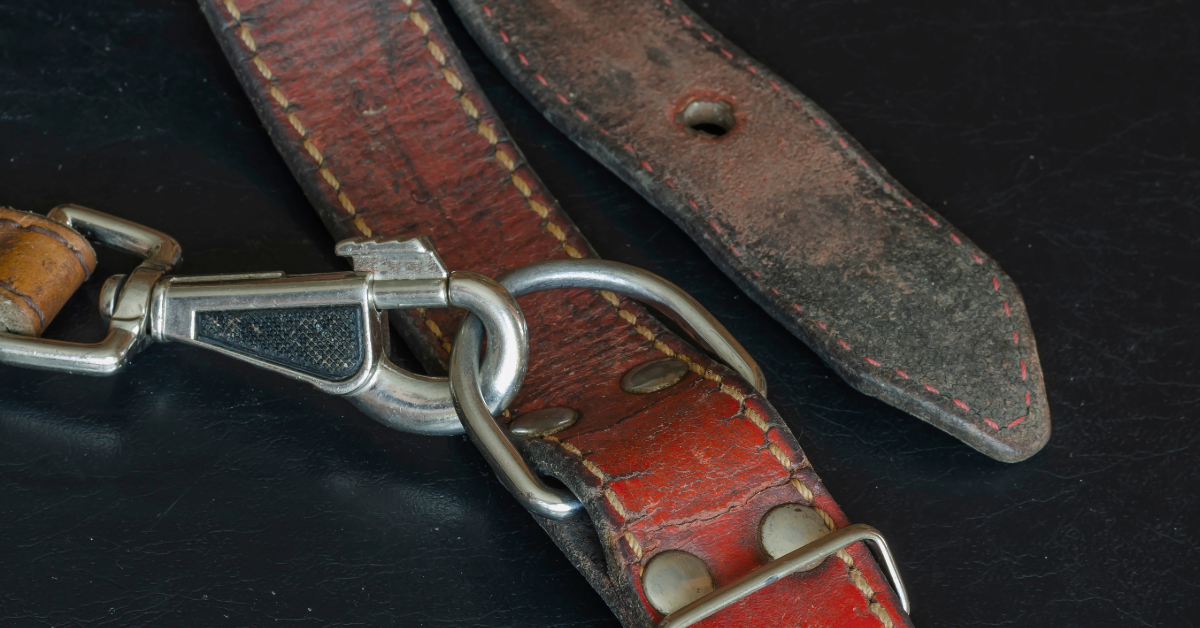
(388, 134)
(902, 305)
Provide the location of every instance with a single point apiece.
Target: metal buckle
(801, 559)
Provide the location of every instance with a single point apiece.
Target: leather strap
(389, 135)
(902, 305)
(42, 263)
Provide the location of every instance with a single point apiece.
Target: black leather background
(192, 490)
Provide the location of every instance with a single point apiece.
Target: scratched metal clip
(329, 330)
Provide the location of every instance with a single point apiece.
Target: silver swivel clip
(329, 329)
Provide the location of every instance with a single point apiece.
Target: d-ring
(493, 441)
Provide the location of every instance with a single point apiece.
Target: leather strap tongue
(902, 305)
(387, 132)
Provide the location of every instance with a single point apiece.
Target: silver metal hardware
(108, 296)
(481, 425)
(543, 422)
(647, 288)
(493, 441)
(799, 560)
(789, 527)
(674, 579)
(394, 259)
(126, 328)
(345, 315)
(654, 376)
(228, 313)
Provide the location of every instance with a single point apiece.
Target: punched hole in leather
(900, 304)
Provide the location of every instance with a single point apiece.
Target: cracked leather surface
(198, 491)
(395, 140)
(900, 303)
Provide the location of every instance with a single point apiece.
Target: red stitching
(1016, 423)
(1027, 398)
(960, 403)
(991, 423)
(845, 145)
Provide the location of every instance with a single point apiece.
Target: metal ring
(644, 286)
(492, 440)
(419, 404)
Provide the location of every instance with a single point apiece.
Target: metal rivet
(789, 527)
(108, 295)
(674, 579)
(654, 376)
(543, 422)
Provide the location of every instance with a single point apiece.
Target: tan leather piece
(42, 263)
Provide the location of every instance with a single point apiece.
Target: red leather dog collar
(384, 127)
(902, 305)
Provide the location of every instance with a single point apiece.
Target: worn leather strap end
(903, 305)
(42, 263)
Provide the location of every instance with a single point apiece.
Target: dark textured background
(192, 490)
